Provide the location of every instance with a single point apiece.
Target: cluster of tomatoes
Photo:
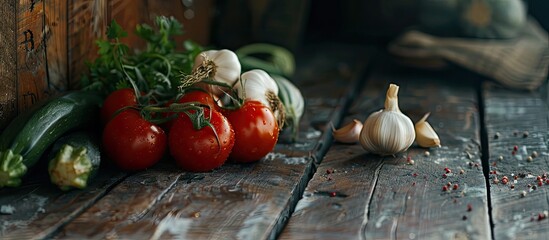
(199, 140)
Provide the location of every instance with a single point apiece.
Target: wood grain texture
(56, 38)
(8, 62)
(248, 201)
(88, 21)
(509, 114)
(32, 82)
(356, 195)
(40, 208)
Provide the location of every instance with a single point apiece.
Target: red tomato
(117, 100)
(256, 131)
(192, 96)
(199, 150)
(132, 142)
(199, 96)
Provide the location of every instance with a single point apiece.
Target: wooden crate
(44, 45)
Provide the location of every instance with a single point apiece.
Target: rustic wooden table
(318, 189)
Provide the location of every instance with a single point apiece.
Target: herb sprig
(155, 71)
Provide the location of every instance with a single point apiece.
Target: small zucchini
(74, 160)
(27, 137)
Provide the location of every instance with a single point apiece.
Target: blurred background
(292, 23)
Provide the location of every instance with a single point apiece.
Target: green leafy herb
(155, 70)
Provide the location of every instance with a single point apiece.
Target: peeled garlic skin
(387, 133)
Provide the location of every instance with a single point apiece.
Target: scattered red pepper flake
(329, 171)
(469, 207)
(504, 180)
(333, 194)
(456, 186)
(444, 188)
(447, 170)
(444, 175)
(541, 216)
(515, 148)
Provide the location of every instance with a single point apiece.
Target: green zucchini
(74, 160)
(27, 137)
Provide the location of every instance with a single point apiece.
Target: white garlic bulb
(388, 131)
(260, 86)
(257, 85)
(425, 134)
(219, 65)
(349, 133)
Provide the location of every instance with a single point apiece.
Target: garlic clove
(425, 134)
(349, 133)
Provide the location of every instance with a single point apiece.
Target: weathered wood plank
(128, 201)
(354, 194)
(32, 82)
(56, 38)
(8, 63)
(88, 20)
(23, 59)
(518, 119)
(251, 201)
(39, 208)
